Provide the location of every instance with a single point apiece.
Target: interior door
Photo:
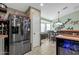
(36, 31)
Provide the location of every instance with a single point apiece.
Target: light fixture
(3, 8)
(65, 8)
(41, 4)
(2, 5)
(58, 23)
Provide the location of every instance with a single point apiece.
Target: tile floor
(47, 48)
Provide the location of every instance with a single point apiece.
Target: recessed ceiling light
(41, 4)
(65, 8)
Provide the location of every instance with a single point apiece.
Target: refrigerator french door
(19, 29)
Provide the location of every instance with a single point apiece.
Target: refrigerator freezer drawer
(26, 47)
(16, 49)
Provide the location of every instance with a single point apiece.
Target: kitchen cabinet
(2, 46)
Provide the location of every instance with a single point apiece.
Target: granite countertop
(68, 37)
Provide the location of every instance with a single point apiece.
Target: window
(42, 27)
(47, 27)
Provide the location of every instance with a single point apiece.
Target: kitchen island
(67, 42)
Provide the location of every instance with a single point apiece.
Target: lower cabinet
(1, 46)
(67, 47)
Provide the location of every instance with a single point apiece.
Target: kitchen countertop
(68, 37)
(3, 36)
(73, 31)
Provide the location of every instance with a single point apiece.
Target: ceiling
(23, 6)
(48, 10)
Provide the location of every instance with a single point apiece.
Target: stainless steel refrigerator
(19, 34)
